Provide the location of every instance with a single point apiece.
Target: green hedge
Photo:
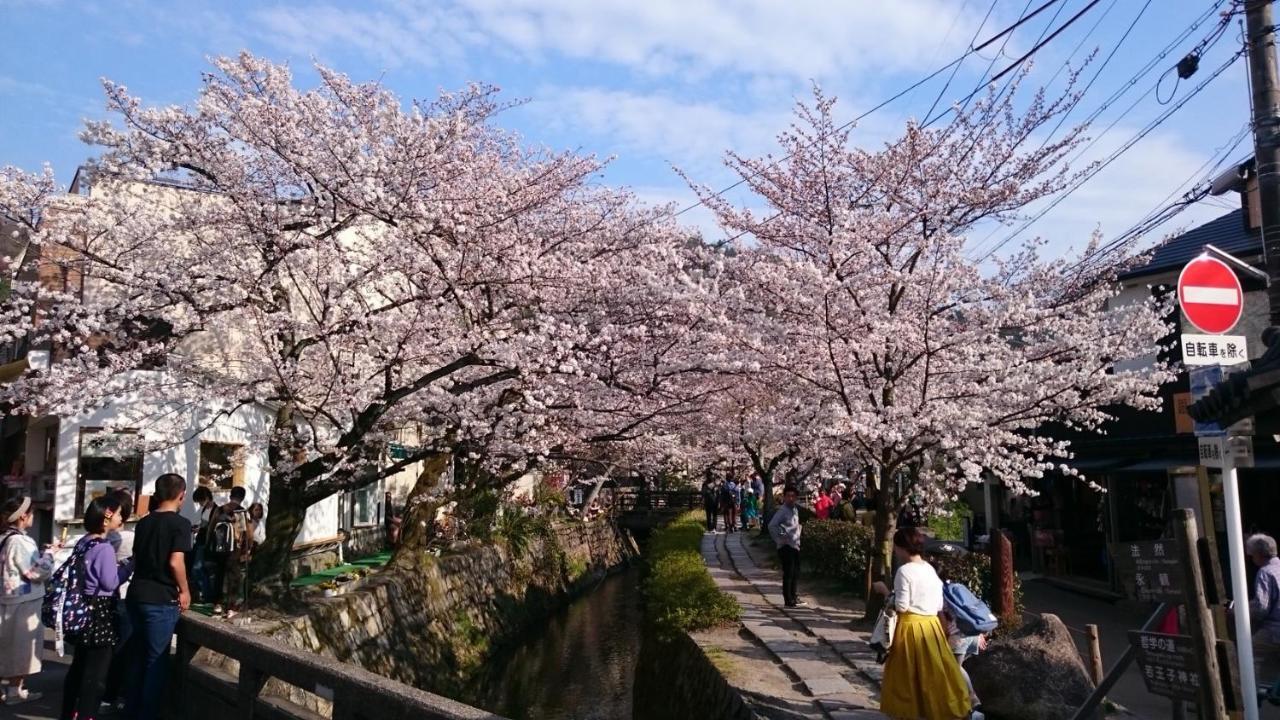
(837, 549)
(842, 550)
(680, 592)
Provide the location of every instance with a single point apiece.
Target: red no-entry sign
(1210, 295)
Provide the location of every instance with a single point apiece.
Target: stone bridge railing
(204, 691)
(629, 500)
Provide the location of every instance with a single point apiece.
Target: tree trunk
(880, 563)
(418, 521)
(766, 502)
(269, 572)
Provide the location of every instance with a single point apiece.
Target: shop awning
(1157, 464)
(13, 370)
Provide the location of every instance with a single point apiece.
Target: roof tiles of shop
(1226, 233)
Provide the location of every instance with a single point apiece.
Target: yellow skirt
(921, 676)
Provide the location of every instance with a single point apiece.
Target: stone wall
(675, 678)
(433, 627)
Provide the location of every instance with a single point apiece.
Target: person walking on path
(197, 568)
(784, 528)
(822, 506)
(727, 492)
(750, 509)
(158, 595)
(226, 530)
(23, 570)
(95, 645)
(1264, 608)
(710, 502)
(121, 540)
(921, 677)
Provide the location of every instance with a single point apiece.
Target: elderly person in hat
(23, 570)
(1264, 608)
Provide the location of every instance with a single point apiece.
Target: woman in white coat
(23, 570)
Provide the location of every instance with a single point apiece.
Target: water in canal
(580, 665)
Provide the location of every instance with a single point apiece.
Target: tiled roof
(1226, 233)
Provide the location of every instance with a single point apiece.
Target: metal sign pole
(1240, 591)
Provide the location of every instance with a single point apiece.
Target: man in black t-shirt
(158, 593)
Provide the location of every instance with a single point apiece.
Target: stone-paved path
(813, 643)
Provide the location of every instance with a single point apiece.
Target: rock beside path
(1034, 674)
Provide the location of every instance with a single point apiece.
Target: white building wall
(240, 428)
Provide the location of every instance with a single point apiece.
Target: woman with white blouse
(921, 677)
(23, 570)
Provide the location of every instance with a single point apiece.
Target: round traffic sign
(1210, 295)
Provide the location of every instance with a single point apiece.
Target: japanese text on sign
(1213, 349)
(1168, 664)
(1155, 568)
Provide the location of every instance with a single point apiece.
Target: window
(364, 506)
(221, 465)
(108, 460)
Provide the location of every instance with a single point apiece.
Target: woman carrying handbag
(921, 677)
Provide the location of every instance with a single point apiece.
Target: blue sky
(657, 84)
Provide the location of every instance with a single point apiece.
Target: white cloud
(799, 39)
(692, 135)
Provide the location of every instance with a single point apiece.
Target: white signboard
(1214, 450)
(1213, 349)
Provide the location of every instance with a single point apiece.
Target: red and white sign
(1210, 295)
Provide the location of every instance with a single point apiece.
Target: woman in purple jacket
(86, 679)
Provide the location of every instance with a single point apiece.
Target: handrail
(356, 693)
(627, 499)
(1113, 676)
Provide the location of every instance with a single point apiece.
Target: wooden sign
(1154, 567)
(1168, 664)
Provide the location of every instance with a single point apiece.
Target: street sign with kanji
(1215, 451)
(1213, 349)
(1155, 568)
(1210, 295)
(1168, 664)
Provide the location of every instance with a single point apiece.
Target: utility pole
(1260, 34)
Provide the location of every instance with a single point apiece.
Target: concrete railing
(204, 691)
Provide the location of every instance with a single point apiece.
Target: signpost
(1168, 664)
(1212, 298)
(1155, 567)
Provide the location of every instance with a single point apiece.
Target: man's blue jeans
(153, 627)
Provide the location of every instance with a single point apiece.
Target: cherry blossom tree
(926, 367)
(350, 263)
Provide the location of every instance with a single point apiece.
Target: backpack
(726, 494)
(971, 615)
(224, 539)
(64, 610)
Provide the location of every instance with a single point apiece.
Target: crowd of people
(738, 503)
(117, 598)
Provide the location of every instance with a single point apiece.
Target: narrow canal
(580, 665)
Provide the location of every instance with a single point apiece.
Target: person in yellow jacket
(921, 677)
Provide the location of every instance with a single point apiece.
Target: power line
(1116, 95)
(1093, 172)
(1017, 63)
(956, 68)
(1044, 6)
(1105, 61)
